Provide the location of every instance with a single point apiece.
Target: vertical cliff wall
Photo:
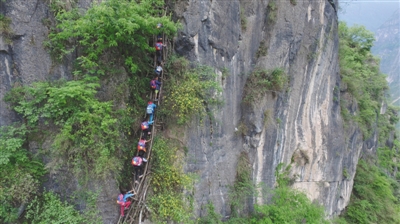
(304, 128)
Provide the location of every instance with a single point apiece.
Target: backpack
(137, 161)
(120, 199)
(144, 125)
(149, 109)
(141, 145)
(153, 84)
(158, 46)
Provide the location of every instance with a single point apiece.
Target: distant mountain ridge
(387, 47)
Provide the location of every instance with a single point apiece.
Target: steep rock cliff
(305, 128)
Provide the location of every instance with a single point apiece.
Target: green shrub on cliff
(168, 181)
(284, 205)
(20, 171)
(262, 81)
(50, 209)
(190, 91)
(288, 206)
(5, 29)
(243, 187)
(89, 132)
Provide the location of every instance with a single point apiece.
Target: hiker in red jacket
(138, 163)
(142, 145)
(146, 128)
(159, 48)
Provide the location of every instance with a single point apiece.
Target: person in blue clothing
(123, 201)
(150, 110)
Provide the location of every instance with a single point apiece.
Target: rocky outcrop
(304, 126)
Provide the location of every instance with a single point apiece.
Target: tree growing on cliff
(112, 29)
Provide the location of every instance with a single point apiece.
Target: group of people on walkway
(139, 160)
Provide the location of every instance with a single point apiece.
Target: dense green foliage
(20, 172)
(361, 76)
(288, 206)
(389, 159)
(262, 81)
(114, 30)
(189, 91)
(375, 197)
(212, 217)
(51, 210)
(89, 135)
(168, 202)
(48, 208)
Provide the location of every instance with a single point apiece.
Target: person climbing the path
(124, 202)
(158, 70)
(142, 146)
(150, 109)
(155, 85)
(159, 48)
(146, 128)
(138, 163)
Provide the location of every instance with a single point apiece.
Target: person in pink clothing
(123, 201)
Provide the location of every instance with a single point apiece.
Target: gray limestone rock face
(305, 128)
